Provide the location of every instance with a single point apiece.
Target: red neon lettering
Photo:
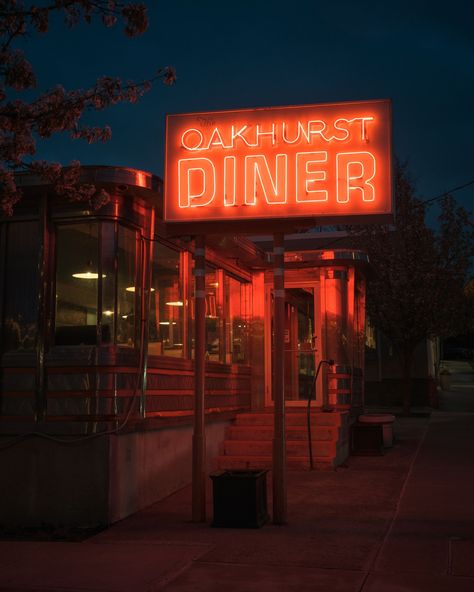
(341, 129)
(238, 134)
(266, 179)
(257, 171)
(196, 182)
(229, 181)
(311, 131)
(188, 143)
(363, 127)
(270, 133)
(301, 131)
(319, 131)
(308, 175)
(355, 171)
(216, 139)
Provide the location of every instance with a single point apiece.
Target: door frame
(319, 354)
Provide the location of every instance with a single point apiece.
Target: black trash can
(240, 499)
(367, 439)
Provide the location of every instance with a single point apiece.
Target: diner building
(97, 353)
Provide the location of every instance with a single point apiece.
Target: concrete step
(294, 448)
(249, 441)
(294, 418)
(244, 432)
(242, 463)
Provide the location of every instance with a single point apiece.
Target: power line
(432, 199)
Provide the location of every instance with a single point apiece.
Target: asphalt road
(460, 397)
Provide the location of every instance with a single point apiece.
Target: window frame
(139, 255)
(183, 285)
(5, 227)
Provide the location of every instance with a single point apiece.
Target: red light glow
(314, 161)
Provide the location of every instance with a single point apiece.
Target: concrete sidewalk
(399, 522)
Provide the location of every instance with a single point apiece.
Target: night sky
(268, 53)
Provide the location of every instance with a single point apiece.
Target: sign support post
(199, 436)
(279, 436)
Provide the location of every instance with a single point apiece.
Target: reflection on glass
(237, 311)
(305, 345)
(213, 316)
(76, 284)
(337, 327)
(21, 286)
(126, 278)
(108, 281)
(299, 343)
(299, 354)
(166, 303)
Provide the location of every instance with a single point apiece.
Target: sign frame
(318, 133)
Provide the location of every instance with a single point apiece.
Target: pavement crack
(374, 561)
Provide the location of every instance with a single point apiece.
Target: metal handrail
(308, 409)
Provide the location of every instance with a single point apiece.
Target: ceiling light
(132, 289)
(87, 275)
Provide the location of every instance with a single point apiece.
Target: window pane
(237, 296)
(21, 286)
(166, 303)
(214, 335)
(107, 230)
(337, 329)
(77, 274)
(128, 293)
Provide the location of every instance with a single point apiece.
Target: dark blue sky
(264, 53)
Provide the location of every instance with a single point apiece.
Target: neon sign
(328, 161)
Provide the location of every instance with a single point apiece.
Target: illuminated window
(371, 342)
(19, 275)
(108, 240)
(214, 327)
(128, 291)
(167, 303)
(228, 310)
(370, 335)
(77, 280)
(338, 330)
(96, 261)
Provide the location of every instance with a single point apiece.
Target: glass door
(301, 333)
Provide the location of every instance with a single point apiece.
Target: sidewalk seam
(373, 566)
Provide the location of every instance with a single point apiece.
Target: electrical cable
(441, 195)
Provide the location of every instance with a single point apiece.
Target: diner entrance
(302, 339)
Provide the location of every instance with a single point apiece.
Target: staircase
(248, 443)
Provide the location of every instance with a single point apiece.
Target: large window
(127, 291)
(96, 262)
(77, 280)
(171, 323)
(108, 238)
(167, 303)
(20, 279)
